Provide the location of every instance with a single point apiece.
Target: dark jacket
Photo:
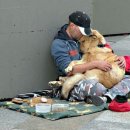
(64, 50)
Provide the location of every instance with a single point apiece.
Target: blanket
(75, 109)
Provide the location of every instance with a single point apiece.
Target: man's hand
(121, 62)
(103, 65)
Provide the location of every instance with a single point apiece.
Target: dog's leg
(69, 84)
(68, 69)
(72, 64)
(63, 79)
(55, 83)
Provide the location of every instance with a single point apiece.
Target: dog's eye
(91, 35)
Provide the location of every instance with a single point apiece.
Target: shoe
(96, 100)
(128, 95)
(121, 98)
(5, 99)
(27, 95)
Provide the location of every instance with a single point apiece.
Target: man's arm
(59, 52)
(81, 68)
(121, 62)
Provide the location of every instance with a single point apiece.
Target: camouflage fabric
(92, 87)
(75, 109)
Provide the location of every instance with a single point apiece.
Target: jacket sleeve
(127, 59)
(59, 52)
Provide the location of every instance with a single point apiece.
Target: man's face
(75, 32)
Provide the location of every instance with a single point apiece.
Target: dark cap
(82, 20)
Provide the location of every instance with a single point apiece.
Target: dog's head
(88, 42)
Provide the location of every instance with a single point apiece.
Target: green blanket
(75, 109)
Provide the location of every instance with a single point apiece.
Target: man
(65, 48)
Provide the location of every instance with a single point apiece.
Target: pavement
(105, 120)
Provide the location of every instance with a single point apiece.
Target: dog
(91, 51)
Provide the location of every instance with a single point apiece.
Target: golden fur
(88, 46)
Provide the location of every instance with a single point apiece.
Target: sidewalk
(105, 120)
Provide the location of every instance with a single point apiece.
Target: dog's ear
(94, 36)
(99, 36)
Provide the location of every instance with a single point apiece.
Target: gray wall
(111, 16)
(27, 28)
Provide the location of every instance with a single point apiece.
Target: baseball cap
(82, 20)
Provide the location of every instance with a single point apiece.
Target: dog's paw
(68, 69)
(63, 79)
(55, 83)
(64, 94)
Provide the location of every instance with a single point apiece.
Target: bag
(119, 104)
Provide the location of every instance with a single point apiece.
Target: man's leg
(87, 88)
(122, 88)
(93, 90)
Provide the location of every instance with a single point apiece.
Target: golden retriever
(91, 52)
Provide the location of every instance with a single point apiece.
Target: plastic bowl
(43, 108)
(60, 107)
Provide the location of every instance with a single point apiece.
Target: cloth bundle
(120, 104)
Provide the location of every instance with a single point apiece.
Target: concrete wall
(27, 28)
(111, 16)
